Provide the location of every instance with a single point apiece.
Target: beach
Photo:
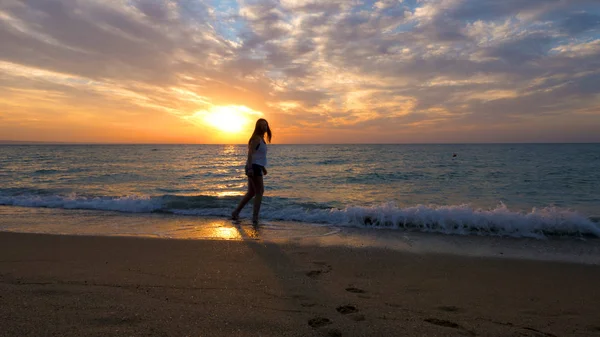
(299, 168)
(61, 285)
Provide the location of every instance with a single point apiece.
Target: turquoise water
(504, 189)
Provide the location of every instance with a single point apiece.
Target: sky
(203, 71)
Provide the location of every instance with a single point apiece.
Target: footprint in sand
(351, 312)
(334, 333)
(300, 297)
(318, 322)
(307, 305)
(448, 324)
(449, 308)
(346, 309)
(393, 305)
(442, 322)
(325, 268)
(355, 290)
(547, 334)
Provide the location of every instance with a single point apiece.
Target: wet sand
(122, 286)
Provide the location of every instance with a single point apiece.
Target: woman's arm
(251, 150)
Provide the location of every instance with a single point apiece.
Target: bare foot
(235, 216)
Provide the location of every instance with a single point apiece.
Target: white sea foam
(130, 204)
(454, 219)
(449, 219)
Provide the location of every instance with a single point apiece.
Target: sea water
(516, 190)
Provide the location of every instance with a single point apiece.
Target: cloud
(345, 66)
(521, 49)
(577, 50)
(580, 22)
(490, 10)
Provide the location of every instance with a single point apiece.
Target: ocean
(502, 190)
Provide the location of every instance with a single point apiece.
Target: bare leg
(236, 213)
(259, 190)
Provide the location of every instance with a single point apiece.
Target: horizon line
(27, 142)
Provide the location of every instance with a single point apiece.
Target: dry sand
(119, 286)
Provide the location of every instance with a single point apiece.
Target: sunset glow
(228, 119)
(173, 71)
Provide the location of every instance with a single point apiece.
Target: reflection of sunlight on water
(218, 230)
(228, 193)
(227, 233)
(232, 156)
(69, 222)
(229, 150)
(213, 229)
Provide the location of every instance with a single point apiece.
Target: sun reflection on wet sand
(226, 233)
(253, 232)
(202, 229)
(218, 230)
(224, 230)
(213, 229)
(69, 222)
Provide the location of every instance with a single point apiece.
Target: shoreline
(92, 223)
(95, 285)
(169, 227)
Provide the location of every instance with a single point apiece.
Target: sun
(229, 119)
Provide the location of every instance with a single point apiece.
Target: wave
(447, 219)
(56, 171)
(129, 204)
(332, 161)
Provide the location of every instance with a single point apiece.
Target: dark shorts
(258, 170)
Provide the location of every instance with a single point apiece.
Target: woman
(255, 169)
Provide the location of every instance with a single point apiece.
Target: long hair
(260, 133)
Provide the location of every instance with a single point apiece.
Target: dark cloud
(520, 50)
(264, 23)
(492, 10)
(579, 88)
(313, 22)
(577, 23)
(91, 41)
(445, 30)
(155, 10)
(323, 7)
(303, 46)
(309, 97)
(297, 71)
